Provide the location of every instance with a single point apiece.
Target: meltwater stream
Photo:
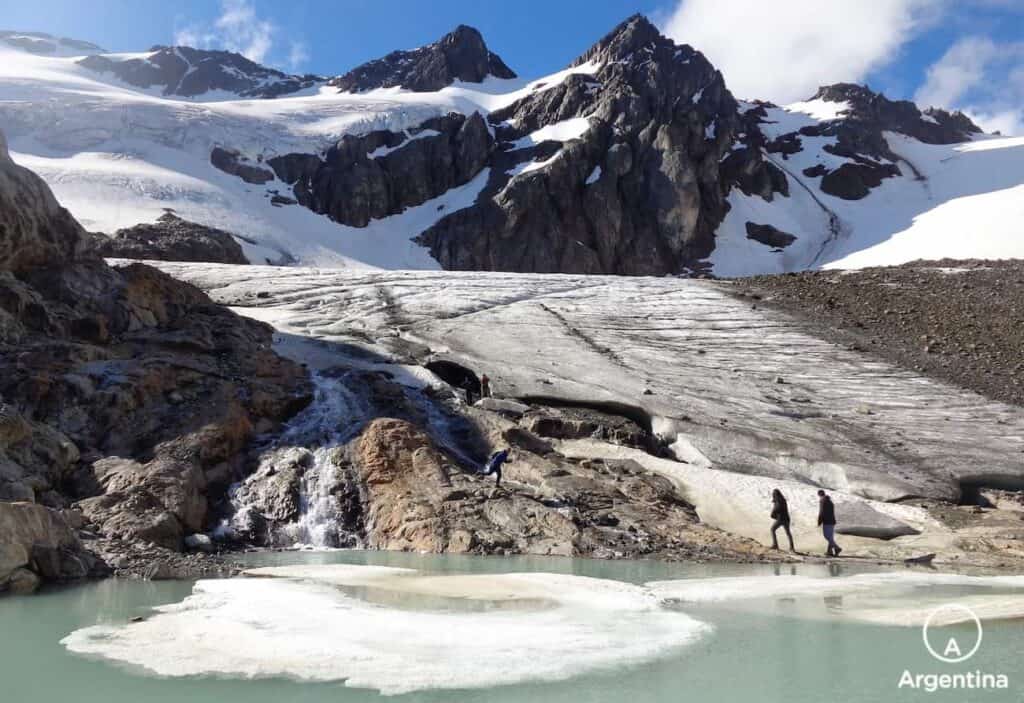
(340, 409)
(347, 626)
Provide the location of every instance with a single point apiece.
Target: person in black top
(827, 520)
(780, 514)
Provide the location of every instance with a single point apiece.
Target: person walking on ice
(493, 465)
(780, 514)
(827, 520)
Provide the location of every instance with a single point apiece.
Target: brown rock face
(37, 542)
(35, 231)
(99, 362)
(414, 498)
(404, 480)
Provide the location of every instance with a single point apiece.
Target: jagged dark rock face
(171, 238)
(188, 72)
(640, 192)
(46, 44)
(860, 137)
(233, 162)
(382, 173)
(460, 55)
(870, 111)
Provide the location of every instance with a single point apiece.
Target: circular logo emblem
(951, 650)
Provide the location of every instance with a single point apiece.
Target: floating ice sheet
(397, 631)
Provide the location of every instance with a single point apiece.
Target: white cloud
(298, 55)
(956, 72)
(784, 50)
(238, 28)
(982, 78)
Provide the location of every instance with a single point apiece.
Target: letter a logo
(952, 615)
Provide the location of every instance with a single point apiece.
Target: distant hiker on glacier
(493, 465)
(780, 514)
(827, 520)
(470, 387)
(485, 386)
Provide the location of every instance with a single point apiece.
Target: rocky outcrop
(414, 497)
(233, 162)
(187, 72)
(171, 238)
(97, 362)
(37, 544)
(381, 173)
(460, 55)
(873, 112)
(859, 133)
(769, 236)
(642, 187)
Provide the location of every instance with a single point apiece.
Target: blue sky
(964, 54)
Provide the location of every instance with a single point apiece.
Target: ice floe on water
(395, 630)
(893, 598)
(399, 630)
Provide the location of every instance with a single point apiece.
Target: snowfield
(116, 156)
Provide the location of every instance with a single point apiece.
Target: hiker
(827, 520)
(485, 386)
(493, 465)
(467, 385)
(780, 514)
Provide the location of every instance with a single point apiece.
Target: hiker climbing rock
(493, 465)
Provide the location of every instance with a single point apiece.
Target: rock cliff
(125, 393)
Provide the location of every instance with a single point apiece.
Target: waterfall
(334, 417)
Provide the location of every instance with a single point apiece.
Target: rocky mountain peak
(188, 72)
(460, 55)
(875, 110)
(630, 36)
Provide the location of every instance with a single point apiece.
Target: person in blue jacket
(493, 465)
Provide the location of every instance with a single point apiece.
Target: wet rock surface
(958, 321)
(460, 55)
(171, 238)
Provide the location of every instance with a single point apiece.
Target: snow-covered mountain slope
(554, 188)
(960, 200)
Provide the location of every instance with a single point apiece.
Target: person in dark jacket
(827, 521)
(493, 465)
(470, 387)
(780, 514)
(485, 386)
